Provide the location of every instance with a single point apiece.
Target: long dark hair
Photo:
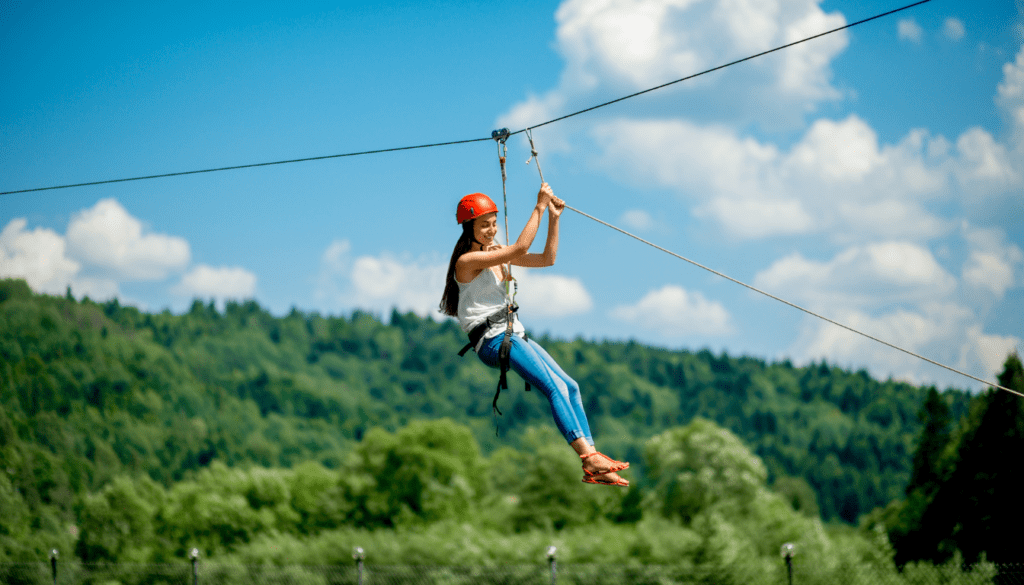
(450, 298)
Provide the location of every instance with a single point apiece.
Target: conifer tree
(985, 487)
(971, 501)
(918, 529)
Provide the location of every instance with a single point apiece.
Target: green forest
(128, 436)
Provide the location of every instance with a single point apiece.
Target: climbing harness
(504, 315)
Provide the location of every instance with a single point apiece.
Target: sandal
(616, 465)
(597, 481)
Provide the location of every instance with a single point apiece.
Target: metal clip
(500, 135)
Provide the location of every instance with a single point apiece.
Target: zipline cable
(248, 166)
(454, 142)
(535, 156)
(795, 306)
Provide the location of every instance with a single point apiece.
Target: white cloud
(38, 256)
(550, 295)
(953, 28)
(637, 219)
(860, 286)
(909, 30)
(944, 332)
(675, 312)
(108, 238)
(1010, 98)
(335, 260)
(757, 190)
(384, 281)
(222, 282)
(379, 283)
(989, 271)
(987, 353)
(626, 45)
(986, 166)
(993, 263)
(837, 179)
(861, 276)
(1011, 88)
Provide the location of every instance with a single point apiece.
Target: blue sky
(873, 175)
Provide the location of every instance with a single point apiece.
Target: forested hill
(91, 391)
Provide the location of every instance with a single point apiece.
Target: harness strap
(507, 315)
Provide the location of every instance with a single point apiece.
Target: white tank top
(483, 297)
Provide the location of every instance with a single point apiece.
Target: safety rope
(552, 121)
(536, 157)
(533, 153)
(500, 136)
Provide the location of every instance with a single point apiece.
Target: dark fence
(208, 573)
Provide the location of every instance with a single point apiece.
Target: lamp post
(359, 555)
(787, 552)
(53, 565)
(194, 555)
(551, 562)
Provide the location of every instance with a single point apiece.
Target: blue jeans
(529, 360)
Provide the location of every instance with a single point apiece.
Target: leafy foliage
(336, 408)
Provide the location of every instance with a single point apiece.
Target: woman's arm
(547, 258)
(474, 262)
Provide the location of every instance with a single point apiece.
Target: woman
(475, 293)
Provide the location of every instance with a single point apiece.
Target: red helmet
(473, 206)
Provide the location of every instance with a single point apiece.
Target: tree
(969, 501)
(697, 466)
(914, 534)
(428, 470)
(985, 486)
(116, 524)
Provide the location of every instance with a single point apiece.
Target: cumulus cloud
(626, 45)
(379, 283)
(39, 256)
(953, 28)
(637, 219)
(993, 263)
(944, 332)
(105, 246)
(676, 312)
(550, 295)
(757, 190)
(899, 293)
(861, 276)
(1010, 97)
(989, 271)
(221, 283)
(388, 280)
(108, 238)
(909, 30)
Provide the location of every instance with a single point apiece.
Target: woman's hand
(556, 207)
(544, 195)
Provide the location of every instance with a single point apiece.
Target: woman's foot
(600, 469)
